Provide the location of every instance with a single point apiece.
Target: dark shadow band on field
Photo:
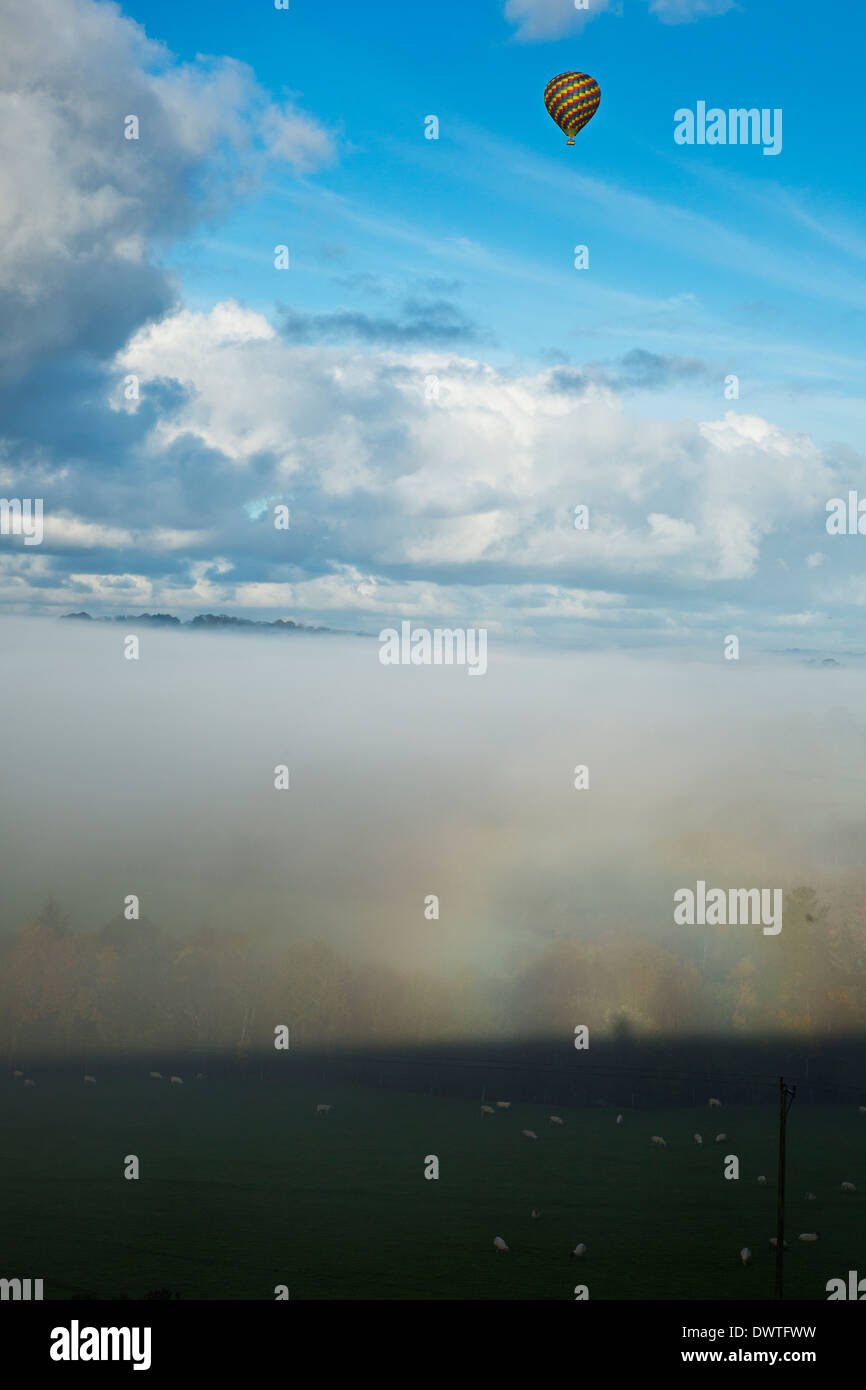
(619, 1072)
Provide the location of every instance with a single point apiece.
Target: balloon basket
(570, 140)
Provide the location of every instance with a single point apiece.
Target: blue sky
(452, 258)
(753, 262)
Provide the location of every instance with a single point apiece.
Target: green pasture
(243, 1188)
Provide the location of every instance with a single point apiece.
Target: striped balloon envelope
(572, 99)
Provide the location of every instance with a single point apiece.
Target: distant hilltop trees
(209, 620)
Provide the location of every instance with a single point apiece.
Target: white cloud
(798, 619)
(686, 11)
(228, 324)
(81, 207)
(551, 19)
(61, 531)
(292, 136)
(164, 538)
(487, 475)
(554, 19)
(558, 601)
(111, 588)
(64, 530)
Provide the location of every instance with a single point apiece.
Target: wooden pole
(784, 1106)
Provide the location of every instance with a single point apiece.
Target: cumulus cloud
(81, 207)
(71, 531)
(418, 480)
(480, 479)
(85, 219)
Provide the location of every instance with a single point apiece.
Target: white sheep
(774, 1241)
(90, 1080)
(504, 1104)
(762, 1181)
(848, 1187)
(862, 1109)
(720, 1138)
(530, 1133)
(746, 1255)
(155, 1075)
(176, 1080)
(579, 1250)
(487, 1110)
(17, 1073)
(809, 1235)
(499, 1245)
(810, 1197)
(322, 1109)
(535, 1213)
(199, 1076)
(714, 1103)
(698, 1138)
(557, 1120)
(657, 1139)
(28, 1082)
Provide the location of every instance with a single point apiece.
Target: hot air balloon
(572, 99)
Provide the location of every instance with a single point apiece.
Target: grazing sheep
(657, 1139)
(809, 1235)
(762, 1181)
(28, 1082)
(848, 1187)
(176, 1080)
(322, 1109)
(487, 1110)
(746, 1255)
(535, 1213)
(499, 1245)
(774, 1241)
(17, 1073)
(862, 1109)
(530, 1133)
(698, 1138)
(619, 1119)
(155, 1075)
(720, 1138)
(504, 1104)
(557, 1120)
(810, 1197)
(90, 1080)
(579, 1250)
(714, 1103)
(199, 1076)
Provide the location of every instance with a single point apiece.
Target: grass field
(242, 1188)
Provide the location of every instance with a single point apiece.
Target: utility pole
(786, 1100)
